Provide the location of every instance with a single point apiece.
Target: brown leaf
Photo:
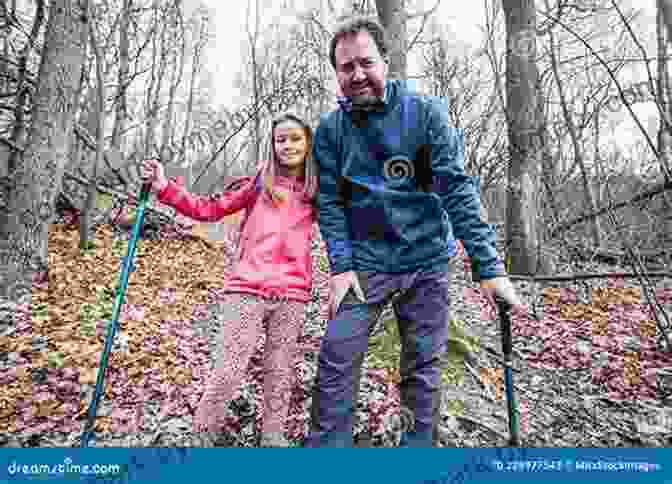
(88, 376)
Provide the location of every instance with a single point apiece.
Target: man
(393, 194)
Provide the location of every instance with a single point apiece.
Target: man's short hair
(354, 25)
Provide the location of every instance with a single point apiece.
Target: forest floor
(589, 371)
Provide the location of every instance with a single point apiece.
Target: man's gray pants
(422, 310)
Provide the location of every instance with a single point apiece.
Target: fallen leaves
(88, 376)
(616, 330)
(171, 278)
(166, 363)
(493, 377)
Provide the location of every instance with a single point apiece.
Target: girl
(272, 278)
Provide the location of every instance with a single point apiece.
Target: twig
(479, 423)
(576, 277)
(489, 395)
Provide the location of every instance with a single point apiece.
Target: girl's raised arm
(211, 208)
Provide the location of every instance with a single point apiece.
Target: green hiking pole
(118, 303)
(507, 348)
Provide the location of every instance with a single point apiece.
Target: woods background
(88, 89)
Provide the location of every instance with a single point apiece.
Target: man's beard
(365, 99)
(362, 106)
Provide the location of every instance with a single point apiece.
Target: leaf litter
(588, 373)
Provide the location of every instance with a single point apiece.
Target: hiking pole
(118, 303)
(507, 348)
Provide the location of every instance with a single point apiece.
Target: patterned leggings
(241, 321)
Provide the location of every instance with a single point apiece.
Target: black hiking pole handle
(507, 348)
(504, 309)
(145, 190)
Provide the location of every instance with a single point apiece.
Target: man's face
(360, 69)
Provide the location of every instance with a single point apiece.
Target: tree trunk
(19, 131)
(169, 123)
(38, 174)
(121, 104)
(195, 69)
(85, 221)
(665, 100)
(392, 15)
(665, 10)
(153, 97)
(524, 120)
(254, 153)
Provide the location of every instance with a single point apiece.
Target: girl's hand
(152, 172)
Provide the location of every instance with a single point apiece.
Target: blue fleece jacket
(373, 213)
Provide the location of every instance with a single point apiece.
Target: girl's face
(291, 146)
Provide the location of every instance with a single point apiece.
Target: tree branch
(662, 187)
(581, 277)
(663, 115)
(616, 83)
(425, 13)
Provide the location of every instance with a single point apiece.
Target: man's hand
(338, 288)
(501, 287)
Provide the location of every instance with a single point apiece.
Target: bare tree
(253, 40)
(177, 51)
(392, 14)
(665, 103)
(574, 135)
(665, 7)
(157, 74)
(525, 124)
(121, 104)
(85, 219)
(39, 169)
(23, 89)
(200, 26)
(472, 106)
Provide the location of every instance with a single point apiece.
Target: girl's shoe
(273, 439)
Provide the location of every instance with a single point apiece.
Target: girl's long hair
(311, 169)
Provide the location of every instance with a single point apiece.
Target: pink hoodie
(273, 256)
